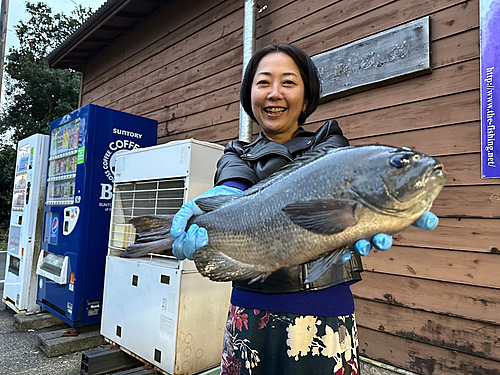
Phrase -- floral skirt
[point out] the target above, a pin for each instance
(258, 342)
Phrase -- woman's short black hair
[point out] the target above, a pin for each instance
(307, 69)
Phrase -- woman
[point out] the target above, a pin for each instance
(282, 326)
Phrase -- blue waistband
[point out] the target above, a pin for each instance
(334, 301)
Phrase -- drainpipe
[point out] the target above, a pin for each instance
(248, 51)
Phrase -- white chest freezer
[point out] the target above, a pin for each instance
(156, 307)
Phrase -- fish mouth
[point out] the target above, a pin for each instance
(438, 171)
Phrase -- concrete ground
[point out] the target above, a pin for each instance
(19, 354)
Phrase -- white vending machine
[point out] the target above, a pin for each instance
(25, 231)
(157, 308)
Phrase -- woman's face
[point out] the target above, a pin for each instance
(277, 96)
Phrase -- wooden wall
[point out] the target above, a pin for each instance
(431, 304)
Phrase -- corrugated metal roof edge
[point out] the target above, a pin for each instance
(106, 11)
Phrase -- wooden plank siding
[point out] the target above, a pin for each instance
(441, 297)
(423, 358)
(437, 329)
(471, 268)
(431, 303)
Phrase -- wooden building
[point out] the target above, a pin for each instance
(431, 304)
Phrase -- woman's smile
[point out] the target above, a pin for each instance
(274, 110)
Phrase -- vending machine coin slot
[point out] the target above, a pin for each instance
(70, 219)
(28, 193)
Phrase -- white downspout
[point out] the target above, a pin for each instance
(248, 51)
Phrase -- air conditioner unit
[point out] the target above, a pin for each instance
(157, 308)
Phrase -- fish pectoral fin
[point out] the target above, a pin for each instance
(323, 216)
(217, 266)
(262, 277)
(321, 265)
(212, 203)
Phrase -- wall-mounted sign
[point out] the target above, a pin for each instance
(490, 71)
(387, 56)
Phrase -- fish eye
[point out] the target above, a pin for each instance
(400, 161)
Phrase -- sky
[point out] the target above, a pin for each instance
(17, 13)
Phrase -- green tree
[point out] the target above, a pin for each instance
(7, 165)
(34, 94)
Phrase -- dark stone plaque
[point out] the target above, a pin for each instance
(384, 57)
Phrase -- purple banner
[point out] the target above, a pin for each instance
(490, 74)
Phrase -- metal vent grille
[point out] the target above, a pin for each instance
(132, 199)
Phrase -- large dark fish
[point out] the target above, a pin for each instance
(313, 208)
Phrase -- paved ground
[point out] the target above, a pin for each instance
(19, 354)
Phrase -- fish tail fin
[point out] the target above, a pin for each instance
(149, 223)
(162, 246)
(153, 236)
(217, 266)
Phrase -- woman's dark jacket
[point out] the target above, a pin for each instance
(252, 162)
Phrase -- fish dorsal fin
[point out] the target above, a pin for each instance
(212, 203)
(321, 265)
(148, 223)
(217, 266)
(323, 216)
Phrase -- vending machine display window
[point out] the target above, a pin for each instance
(64, 138)
(63, 160)
(20, 179)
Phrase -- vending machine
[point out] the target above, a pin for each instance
(82, 152)
(25, 231)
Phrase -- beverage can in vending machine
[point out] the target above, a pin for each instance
(63, 192)
(57, 191)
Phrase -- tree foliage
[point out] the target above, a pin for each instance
(34, 94)
(7, 165)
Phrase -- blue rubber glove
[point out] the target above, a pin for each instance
(383, 242)
(186, 243)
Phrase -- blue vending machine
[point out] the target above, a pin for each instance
(82, 152)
